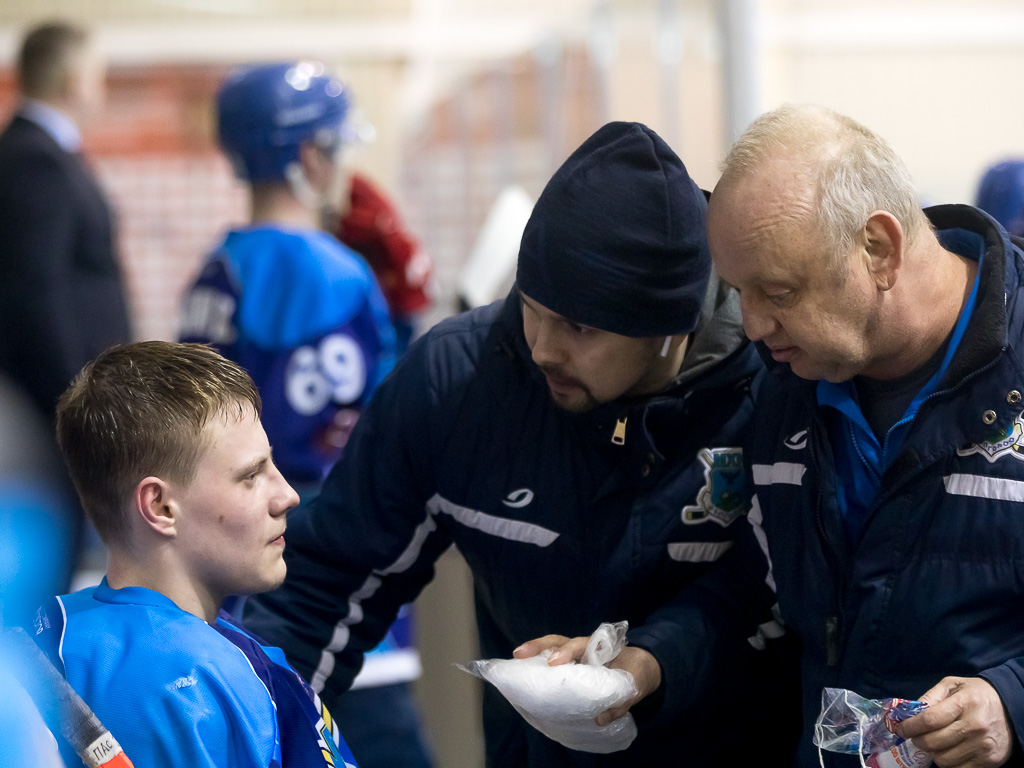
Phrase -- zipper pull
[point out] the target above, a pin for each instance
(619, 435)
(832, 641)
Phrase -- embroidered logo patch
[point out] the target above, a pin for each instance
(724, 495)
(1006, 442)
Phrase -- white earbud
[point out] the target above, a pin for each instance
(665, 346)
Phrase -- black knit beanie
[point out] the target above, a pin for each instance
(616, 240)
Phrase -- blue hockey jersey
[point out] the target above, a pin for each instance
(305, 317)
(176, 691)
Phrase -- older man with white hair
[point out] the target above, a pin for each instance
(887, 448)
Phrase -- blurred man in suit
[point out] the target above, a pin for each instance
(61, 295)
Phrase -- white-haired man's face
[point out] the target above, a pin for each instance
(765, 243)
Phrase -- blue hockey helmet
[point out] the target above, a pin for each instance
(264, 113)
(1001, 195)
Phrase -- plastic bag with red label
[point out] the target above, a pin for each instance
(851, 724)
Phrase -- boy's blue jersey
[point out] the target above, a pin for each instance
(305, 317)
(176, 691)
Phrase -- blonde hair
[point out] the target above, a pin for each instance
(139, 410)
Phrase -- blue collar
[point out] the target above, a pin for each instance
(60, 127)
(860, 460)
(105, 593)
(843, 395)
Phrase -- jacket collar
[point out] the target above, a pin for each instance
(986, 334)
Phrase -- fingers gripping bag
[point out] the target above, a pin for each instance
(562, 701)
(851, 724)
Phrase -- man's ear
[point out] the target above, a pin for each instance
(155, 506)
(884, 245)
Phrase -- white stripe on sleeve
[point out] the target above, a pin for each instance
(782, 472)
(697, 551)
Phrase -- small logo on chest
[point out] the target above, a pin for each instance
(185, 682)
(797, 441)
(518, 499)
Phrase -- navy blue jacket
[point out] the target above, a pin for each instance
(935, 585)
(562, 527)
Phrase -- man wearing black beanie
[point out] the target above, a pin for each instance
(579, 443)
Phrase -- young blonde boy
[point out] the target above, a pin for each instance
(165, 446)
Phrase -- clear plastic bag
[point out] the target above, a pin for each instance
(562, 701)
(851, 724)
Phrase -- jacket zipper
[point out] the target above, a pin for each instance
(619, 435)
(833, 624)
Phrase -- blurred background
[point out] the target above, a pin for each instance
(464, 98)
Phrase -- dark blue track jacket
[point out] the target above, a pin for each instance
(563, 524)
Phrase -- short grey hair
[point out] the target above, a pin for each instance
(48, 54)
(852, 171)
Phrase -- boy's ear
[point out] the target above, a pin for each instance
(156, 507)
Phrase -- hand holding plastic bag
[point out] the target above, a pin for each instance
(562, 701)
(851, 724)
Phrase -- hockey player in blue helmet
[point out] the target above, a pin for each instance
(301, 312)
(284, 122)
